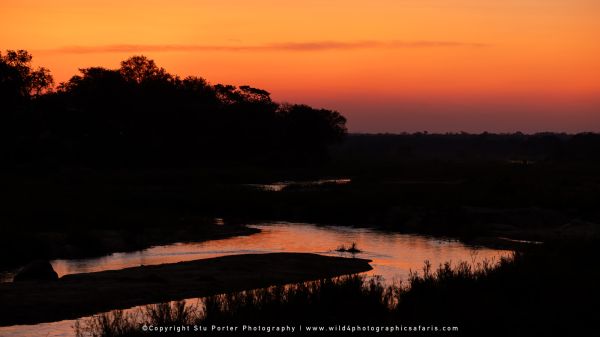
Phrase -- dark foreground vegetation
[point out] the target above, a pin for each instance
(545, 290)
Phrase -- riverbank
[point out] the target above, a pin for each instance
(78, 295)
(22, 247)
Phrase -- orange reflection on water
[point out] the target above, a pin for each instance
(393, 254)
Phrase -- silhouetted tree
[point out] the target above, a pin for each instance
(18, 80)
(139, 69)
(312, 126)
(255, 95)
(140, 114)
(20, 86)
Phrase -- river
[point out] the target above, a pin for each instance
(394, 255)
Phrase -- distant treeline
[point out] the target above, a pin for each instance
(140, 114)
(514, 147)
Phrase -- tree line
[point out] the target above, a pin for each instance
(139, 114)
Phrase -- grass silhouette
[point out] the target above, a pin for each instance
(541, 290)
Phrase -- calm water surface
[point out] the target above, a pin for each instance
(281, 185)
(393, 255)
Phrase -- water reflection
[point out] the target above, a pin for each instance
(279, 186)
(394, 256)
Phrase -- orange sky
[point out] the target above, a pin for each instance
(388, 65)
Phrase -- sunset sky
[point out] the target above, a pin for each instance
(387, 65)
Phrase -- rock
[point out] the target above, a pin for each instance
(39, 270)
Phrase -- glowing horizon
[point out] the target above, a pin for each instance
(387, 65)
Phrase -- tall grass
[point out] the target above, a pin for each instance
(343, 300)
(118, 323)
(346, 297)
(111, 324)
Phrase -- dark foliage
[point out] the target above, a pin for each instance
(140, 115)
